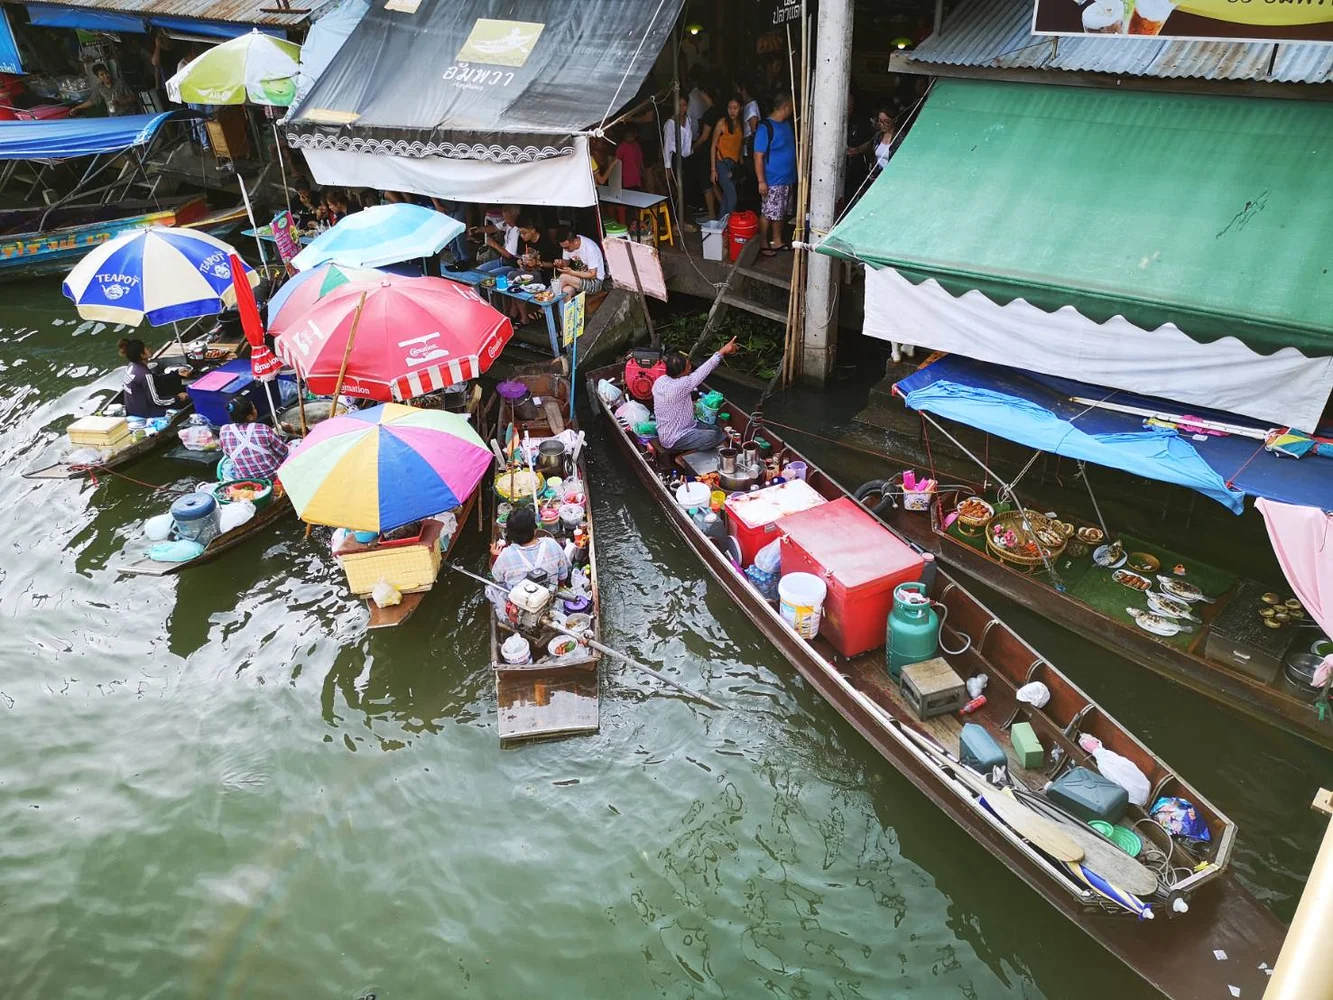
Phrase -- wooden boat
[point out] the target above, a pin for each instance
(38, 241)
(545, 700)
(1174, 952)
(396, 614)
(1274, 702)
(218, 353)
(224, 542)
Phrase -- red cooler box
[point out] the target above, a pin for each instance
(752, 517)
(860, 560)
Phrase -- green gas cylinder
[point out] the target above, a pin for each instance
(914, 628)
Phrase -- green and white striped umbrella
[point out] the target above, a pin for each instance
(257, 68)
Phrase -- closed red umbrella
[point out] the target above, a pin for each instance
(415, 335)
(263, 364)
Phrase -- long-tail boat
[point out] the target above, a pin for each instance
(548, 697)
(1200, 908)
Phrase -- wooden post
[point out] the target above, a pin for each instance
(300, 401)
(347, 354)
(1304, 967)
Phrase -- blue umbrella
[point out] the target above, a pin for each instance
(381, 235)
(163, 275)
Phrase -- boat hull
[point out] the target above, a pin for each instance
(221, 545)
(1174, 956)
(33, 254)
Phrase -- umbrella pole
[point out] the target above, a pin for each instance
(179, 346)
(277, 149)
(347, 354)
(250, 214)
(300, 400)
(272, 407)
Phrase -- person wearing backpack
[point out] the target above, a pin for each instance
(775, 170)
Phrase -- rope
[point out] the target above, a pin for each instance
(93, 469)
(642, 40)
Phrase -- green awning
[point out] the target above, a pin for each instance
(1207, 212)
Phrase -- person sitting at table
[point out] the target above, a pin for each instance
(306, 209)
(255, 450)
(537, 254)
(521, 553)
(502, 237)
(144, 395)
(582, 268)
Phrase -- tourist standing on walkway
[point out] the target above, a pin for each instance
(775, 170)
(728, 137)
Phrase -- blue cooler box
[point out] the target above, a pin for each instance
(211, 402)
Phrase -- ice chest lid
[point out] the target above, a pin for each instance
(215, 381)
(763, 507)
(850, 544)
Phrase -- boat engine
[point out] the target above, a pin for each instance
(644, 367)
(529, 601)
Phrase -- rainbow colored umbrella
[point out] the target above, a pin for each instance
(377, 469)
(303, 289)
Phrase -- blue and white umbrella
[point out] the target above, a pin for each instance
(384, 234)
(165, 275)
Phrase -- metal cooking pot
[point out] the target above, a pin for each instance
(551, 458)
(1299, 670)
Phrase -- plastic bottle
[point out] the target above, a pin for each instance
(978, 702)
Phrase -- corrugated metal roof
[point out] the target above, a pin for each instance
(997, 34)
(235, 11)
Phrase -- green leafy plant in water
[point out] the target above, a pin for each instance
(760, 340)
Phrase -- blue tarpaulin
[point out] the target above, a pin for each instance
(9, 50)
(49, 16)
(88, 20)
(66, 138)
(1038, 411)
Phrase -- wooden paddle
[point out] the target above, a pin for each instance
(1037, 830)
(1100, 854)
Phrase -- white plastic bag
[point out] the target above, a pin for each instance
(632, 412)
(608, 392)
(976, 684)
(769, 558)
(199, 437)
(84, 456)
(385, 594)
(1123, 771)
(234, 514)
(158, 528)
(1035, 694)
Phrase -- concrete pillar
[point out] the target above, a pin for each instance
(1304, 969)
(832, 71)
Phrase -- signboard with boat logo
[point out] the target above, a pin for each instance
(1196, 20)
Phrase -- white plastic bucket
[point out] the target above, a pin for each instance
(516, 650)
(801, 601)
(693, 495)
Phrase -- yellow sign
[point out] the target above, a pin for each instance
(500, 43)
(574, 317)
(1264, 12)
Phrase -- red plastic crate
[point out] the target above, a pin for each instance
(859, 559)
(752, 517)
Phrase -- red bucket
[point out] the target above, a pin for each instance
(741, 228)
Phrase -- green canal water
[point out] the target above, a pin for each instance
(220, 786)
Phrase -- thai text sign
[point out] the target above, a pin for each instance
(1208, 20)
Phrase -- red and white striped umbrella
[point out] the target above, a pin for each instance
(415, 335)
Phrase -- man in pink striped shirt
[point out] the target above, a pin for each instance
(673, 403)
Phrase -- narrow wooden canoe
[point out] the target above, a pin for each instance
(1274, 703)
(224, 542)
(147, 445)
(548, 700)
(1174, 952)
(396, 614)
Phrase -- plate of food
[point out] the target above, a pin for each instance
(1142, 562)
(1155, 624)
(488, 282)
(1169, 607)
(533, 287)
(524, 278)
(1093, 536)
(545, 296)
(1182, 589)
(1109, 556)
(1132, 580)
